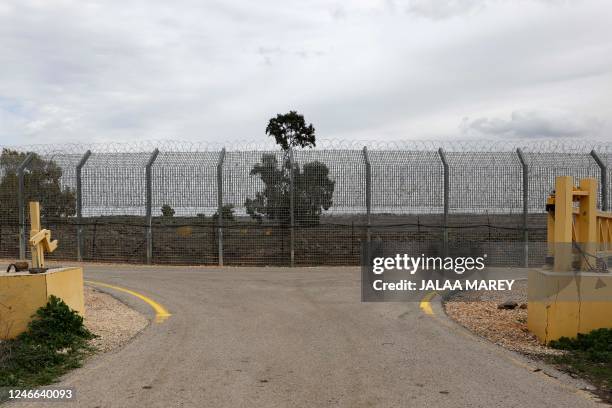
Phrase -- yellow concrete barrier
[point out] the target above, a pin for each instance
(565, 304)
(21, 294)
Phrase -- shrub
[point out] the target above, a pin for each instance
(55, 341)
(596, 346)
(167, 211)
(227, 212)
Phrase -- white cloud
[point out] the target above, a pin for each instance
(217, 70)
(440, 9)
(534, 124)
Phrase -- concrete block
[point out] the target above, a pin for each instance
(21, 294)
(566, 303)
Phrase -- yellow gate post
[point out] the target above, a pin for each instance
(564, 187)
(575, 297)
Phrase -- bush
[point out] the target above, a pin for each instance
(55, 341)
(596, 346)
(56, 325)
(227, 212)
(167, 211)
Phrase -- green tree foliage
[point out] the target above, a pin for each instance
(41, 183)
(227, 212)
(290, 130)
(313, 189)
(167, 211)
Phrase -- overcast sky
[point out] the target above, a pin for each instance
(82, 71)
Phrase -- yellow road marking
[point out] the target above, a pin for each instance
(161, 313)
(425, 304)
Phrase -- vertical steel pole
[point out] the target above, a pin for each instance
(79, 205)
(604, 180)
(521, 157)
(220, 203)
(446, 197)
(21, 204)
(291, 208)
(149, 203)
(368, 194)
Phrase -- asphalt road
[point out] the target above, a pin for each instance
(279, 337)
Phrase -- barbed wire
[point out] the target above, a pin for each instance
(398, 189)
(575, 146)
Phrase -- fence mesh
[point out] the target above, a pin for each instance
(184, 185)
(251, 205)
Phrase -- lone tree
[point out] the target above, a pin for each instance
(312, 188)
(41, 183)
(290, 130)
(167, 211)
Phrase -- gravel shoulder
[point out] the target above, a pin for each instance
(111, 320)
(479, 312)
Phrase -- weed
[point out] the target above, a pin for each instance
(589, 355)
(55, 342)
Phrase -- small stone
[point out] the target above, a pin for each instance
(508, 304)
(523, 306)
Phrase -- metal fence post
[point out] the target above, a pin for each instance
(149, 202)
(220, 203)
(368, 195)
(521, 157)
(604, 180)
(446, 197)
(21, 204)
(291, 208)
(79, 205)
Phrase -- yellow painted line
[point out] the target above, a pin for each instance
(425, 304)
(161, 313)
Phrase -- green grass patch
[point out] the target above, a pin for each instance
(55, 342)
(589, 356)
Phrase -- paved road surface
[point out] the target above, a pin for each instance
(276, 337)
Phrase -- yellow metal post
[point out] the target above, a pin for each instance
(564, 187)
(38, 257)
(40, 239)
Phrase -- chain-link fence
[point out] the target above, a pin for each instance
(182, 203)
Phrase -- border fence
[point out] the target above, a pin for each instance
(189, 203)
